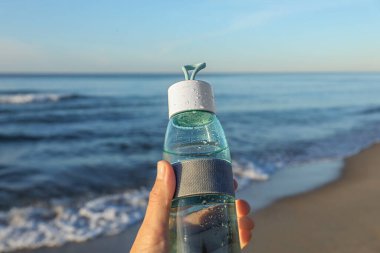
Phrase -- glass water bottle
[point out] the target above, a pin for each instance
(203, 214)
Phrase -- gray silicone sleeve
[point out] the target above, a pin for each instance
(203, 176)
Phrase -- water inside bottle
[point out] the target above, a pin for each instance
(204, 224)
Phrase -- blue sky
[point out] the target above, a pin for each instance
(160, 36)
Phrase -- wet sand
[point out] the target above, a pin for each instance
(341, 217)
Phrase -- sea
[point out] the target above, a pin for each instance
(78, 152)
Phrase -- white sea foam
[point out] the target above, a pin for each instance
(32, 98)
(59, 222)
(246, 171)
(34, 227)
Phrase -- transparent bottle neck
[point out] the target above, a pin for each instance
(195, 135)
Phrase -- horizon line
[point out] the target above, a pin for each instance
(63, 73)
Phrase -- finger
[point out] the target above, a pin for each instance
(242, 208)
(246, 223)
(157, 213)
(245, 236)
(235, 184)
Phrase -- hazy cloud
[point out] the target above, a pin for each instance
(15, 53)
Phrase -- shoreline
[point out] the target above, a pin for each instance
(340, 217)
(291, 181)
(263, 214)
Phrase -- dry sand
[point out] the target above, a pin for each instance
(341, 217)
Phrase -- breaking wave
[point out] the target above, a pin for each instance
(57, 223)
(24, 98)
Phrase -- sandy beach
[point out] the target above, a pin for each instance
(340, 217)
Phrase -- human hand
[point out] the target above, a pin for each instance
(153, 234)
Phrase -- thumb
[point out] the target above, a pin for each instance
(153, 233)
(160, 197)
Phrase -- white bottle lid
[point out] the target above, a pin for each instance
(191, 94)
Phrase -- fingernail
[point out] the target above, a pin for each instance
(160, 170)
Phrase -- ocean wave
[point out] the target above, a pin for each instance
(246, 171)
(371, 110)
(21, 137)
(60, 221)
(56, 224)
(25, 98)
